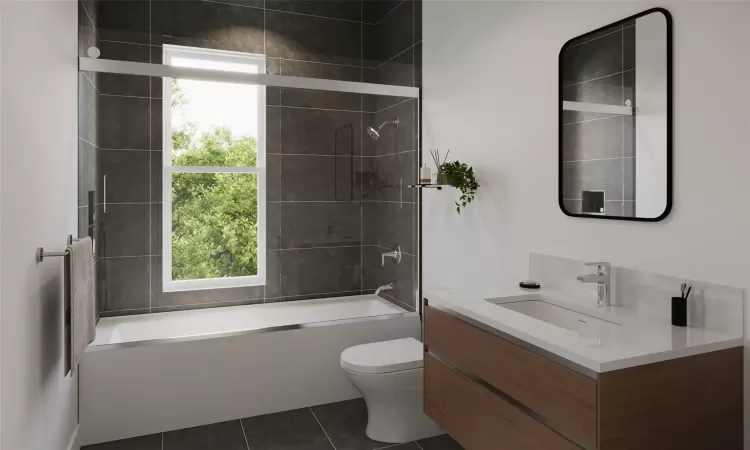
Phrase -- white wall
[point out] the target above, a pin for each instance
(38, 198)
(490, 94)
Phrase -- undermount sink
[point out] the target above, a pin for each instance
(557, 315)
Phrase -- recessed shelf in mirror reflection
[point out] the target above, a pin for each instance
(598, 108)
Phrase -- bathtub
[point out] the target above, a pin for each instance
(160, 372)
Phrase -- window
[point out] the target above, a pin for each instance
(214, 174)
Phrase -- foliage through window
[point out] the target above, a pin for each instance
(214, 174)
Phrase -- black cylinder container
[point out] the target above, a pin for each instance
(679, 311)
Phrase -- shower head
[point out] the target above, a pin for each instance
(375, 133)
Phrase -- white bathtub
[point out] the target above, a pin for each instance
(159, 372)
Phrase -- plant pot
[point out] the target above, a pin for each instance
(443, 178)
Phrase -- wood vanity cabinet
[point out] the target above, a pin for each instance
(489, 393)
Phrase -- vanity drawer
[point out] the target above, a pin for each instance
(566, 399)
(479, 419)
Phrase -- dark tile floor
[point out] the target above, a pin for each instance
(336, 426)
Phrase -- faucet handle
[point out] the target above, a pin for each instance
(600, 265)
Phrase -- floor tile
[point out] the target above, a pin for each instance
(217, 436)
(150, 442)
(407, 446)
(443, 442)
(345, 422)
(288, 430)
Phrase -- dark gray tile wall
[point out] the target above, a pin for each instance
(318, 156)
(598, 150)
(392, 54)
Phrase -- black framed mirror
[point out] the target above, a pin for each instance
(615, 120)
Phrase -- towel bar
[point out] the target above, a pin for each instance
(40, 253)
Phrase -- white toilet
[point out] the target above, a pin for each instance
(389, 376)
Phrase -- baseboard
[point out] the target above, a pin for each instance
(74, 444)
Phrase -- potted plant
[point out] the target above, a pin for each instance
(459, 175)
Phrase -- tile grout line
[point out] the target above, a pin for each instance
(281, 11)
(321, 427)
(93, 25)
(388, 13)
(315, 109)
(590, 120)
(417, 443)
(92, 83)
(247, 443)
(622, 29)
(396, 56)
(599, 78)
(392, 106)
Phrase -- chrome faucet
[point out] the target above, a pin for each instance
(602, 279)
(395, 254)
(385, 287)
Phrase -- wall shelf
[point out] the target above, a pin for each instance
(598, 108)
(427, 186)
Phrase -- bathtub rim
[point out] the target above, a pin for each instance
(271, 329)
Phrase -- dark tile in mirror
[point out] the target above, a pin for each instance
(595, 139)
(606, 175)
(593, 59)
(628, 47)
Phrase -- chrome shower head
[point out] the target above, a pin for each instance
(375, 133)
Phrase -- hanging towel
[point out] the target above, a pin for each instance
(82, 300)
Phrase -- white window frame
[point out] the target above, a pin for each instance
(168, 284)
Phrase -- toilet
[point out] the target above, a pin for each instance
(389, 376)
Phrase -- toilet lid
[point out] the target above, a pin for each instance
(383, 357)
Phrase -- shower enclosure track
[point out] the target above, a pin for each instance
(262, 79)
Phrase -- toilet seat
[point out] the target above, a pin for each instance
(384, 357)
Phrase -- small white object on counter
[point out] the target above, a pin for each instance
(631, 339)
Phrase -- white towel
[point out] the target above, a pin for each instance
(82, 299)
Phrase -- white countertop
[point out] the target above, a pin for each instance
(638, 339)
